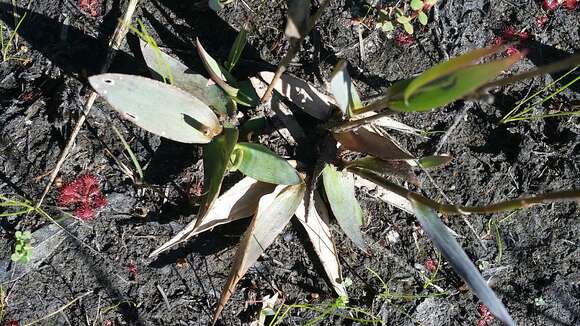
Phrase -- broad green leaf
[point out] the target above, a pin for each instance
(272, 217)
(434, 161)
(446, 68)
(195, 84)
(246, 94)
(253, 127)
(423, 19)
(343, 90)
(339, 189)
(159, 108)
(260, 163)
(299, 92)
(365, 141)
(403, 19)
(216, 156)
(400, 169)
(316, 224)
(458, 259)
(452, 87)
(298, 14)
(218, 74)
(386, 26)
(240, 201)
(237, 49)
(408, 28)
(416, 5)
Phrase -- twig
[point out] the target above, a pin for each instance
(114, 45)
(294, 48)
(61, 309)
(456, 123)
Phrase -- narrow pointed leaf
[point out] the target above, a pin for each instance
(159, 108)
(317, 227)
(216, 156)
(339, 189)
(260, 163)
(195, 84)
(343, 90)
(458, 259)
(400, 169)
(301, 93)
(246, 95)
(365, 141)
(240, 201)
(446, 68)
(298, 14)
(237, 49)
(218, 74)
(452, 87)
(434, 161)
(270, 220)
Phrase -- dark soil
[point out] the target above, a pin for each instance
(535, 270)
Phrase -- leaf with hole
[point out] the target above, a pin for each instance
(446, 68)
(216, 156)
(160, 64)
(365, 141)
(218, 74)
(459, 260)
(451, 87)
(317, 227)
(272, 217)
(240, 201)
(260, 163)
(343, 90)
(339, 189)
(159, 108)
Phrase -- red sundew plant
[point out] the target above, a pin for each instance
(85, 195)
(91, 7)
(485, 316)
(404, 39)
(431, 265)
(541, 21)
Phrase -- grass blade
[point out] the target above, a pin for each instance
(458, 259)
(272, 216)
(339, 188)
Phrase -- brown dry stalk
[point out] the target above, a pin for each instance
(114, 45)
(294, 48)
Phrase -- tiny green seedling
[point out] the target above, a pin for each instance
(22, 249)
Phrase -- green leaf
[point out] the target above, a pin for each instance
(237, 49)
(216, 156)
(218, 74)
(195, 84)
(458, 259)
(240, 201)
(423, 19)
(452, 87)
(446, 68)
(260, 163)
(387, 26)
(408, 28)
(365, 141)
(403, 19)
(159, 108)
(435, 161)
(400, 169)
(272, 217)
(343, 90)
(339, 188)
(246, 94)
(15, 257)
(416, 5)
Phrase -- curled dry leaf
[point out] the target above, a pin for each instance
(240, 201)
(365, 141)
(317, 227)
(273, 215)
(159, 108)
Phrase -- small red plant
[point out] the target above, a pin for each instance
(132, 269)
(570, 4)
(12, 323)
(91, 7)
(550, 5)
(485, 316)
(404, 39)
(431, 265)
(84, 194)
(541, 21)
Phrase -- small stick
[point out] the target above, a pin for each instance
(59, 310)
(114, 45)
(294, 48)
